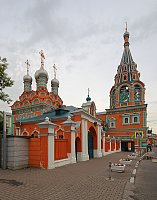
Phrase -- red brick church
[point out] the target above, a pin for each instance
(62, 134)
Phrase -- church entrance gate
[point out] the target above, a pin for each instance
(90, 146)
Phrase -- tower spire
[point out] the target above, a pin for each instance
(88, 97)
(126, 28)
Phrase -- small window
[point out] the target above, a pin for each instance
(124, 78)
(60, 136)
(112, 123)
(135, 119)
(126, 120)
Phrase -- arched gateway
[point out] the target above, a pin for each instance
(92, 142)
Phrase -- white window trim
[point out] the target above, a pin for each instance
(133, 122)
(123, 119)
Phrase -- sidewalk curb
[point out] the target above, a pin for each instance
(129, 187)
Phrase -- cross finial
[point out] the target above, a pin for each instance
(126, 28)
(55, 69)
(27, 65)
(42, 58)
(88, 91)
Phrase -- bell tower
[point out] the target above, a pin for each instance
(128, 90)
(127, 116)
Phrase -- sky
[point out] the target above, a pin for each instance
(85, 40)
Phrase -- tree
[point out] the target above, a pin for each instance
(5, 81)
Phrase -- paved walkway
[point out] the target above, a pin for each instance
(146, 180)
(80, 181)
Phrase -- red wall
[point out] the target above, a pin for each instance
(61, 149)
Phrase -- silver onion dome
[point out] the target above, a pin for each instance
(41, 73)
(27, 78)
(54, 82)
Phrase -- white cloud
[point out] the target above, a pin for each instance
(85, 40)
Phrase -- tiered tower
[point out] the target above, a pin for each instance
(128, 90)
(127, 116)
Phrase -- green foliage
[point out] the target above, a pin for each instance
(5, 81)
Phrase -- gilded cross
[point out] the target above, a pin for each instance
(42, 58)
(27, 65)
(55, 69)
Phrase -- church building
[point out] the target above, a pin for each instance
(60, 134)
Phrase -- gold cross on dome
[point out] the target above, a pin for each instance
(55, 69)
(27, 65)
(42, 58)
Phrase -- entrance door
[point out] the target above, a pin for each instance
(90, 146)
(127, 146)
(124, 146)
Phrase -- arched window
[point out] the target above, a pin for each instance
(137, 93)
(124, 94)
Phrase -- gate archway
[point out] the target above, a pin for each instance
(92, 142)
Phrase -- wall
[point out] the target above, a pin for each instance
(61, 149)
(17, 153)
(34, 152)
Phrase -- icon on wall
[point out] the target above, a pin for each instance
(139, 134)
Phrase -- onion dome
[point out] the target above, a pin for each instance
(27, 78)
(88, 99)
(41, 73)
(54, 82)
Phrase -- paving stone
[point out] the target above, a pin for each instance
(83, 180)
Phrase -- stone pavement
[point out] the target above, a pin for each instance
(146, 180)
(80, 181)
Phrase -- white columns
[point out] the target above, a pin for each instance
(120, 146)
(98, 152)
(49, 126)
(73, 156)
(84, 132)
(103, 143)
(115, 145)
(110, 145)
(50, 152)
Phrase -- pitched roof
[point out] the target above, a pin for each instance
(59, 113)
